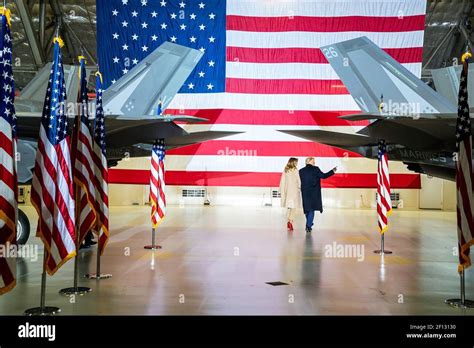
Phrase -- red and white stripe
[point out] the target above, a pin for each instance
(52, 194)
(277, 78)
(384, 202)
(102, 199)
(85, 180)
(157, 187)
(8, 204)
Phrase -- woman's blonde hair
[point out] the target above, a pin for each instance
(292, 164)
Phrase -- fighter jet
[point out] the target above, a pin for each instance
(417, 122)
(130, 105)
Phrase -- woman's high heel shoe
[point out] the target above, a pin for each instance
(290, 226)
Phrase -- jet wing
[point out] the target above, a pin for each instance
(131, 132)
(197, 137)
(156, 78)
(190, 139)
(357, 143)
(365, 116)
(419, 134)
(342, 140)
(372, 116)
(143, 149)
(122, 132)
(125, 138)
(366, 146)
(162, 118)
(28, 123)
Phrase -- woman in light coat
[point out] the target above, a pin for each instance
(290, 190)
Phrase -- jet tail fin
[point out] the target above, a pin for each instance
(157, 78)
(447, 81)
(35, 90)
(368, 73)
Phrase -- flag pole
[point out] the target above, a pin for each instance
(42, 309)
(153, 245)
(97, 275)
(98, 262)
(382, 250)
(461, 302)
(75, 289)
(58, 27)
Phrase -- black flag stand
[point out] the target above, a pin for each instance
(461, 302)
(76, 290)
(98, 275)
(42, 309)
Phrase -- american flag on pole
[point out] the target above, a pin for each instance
(52, 191)
(157, 183)
(101, 170)
(8, 179)
(464, 174)
(262, 70)
(384, 202)
(83, 162)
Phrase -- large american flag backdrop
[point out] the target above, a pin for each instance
(262, 70)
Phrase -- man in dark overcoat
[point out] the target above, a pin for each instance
(311, 190)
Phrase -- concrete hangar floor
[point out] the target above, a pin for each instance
(218, 260)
